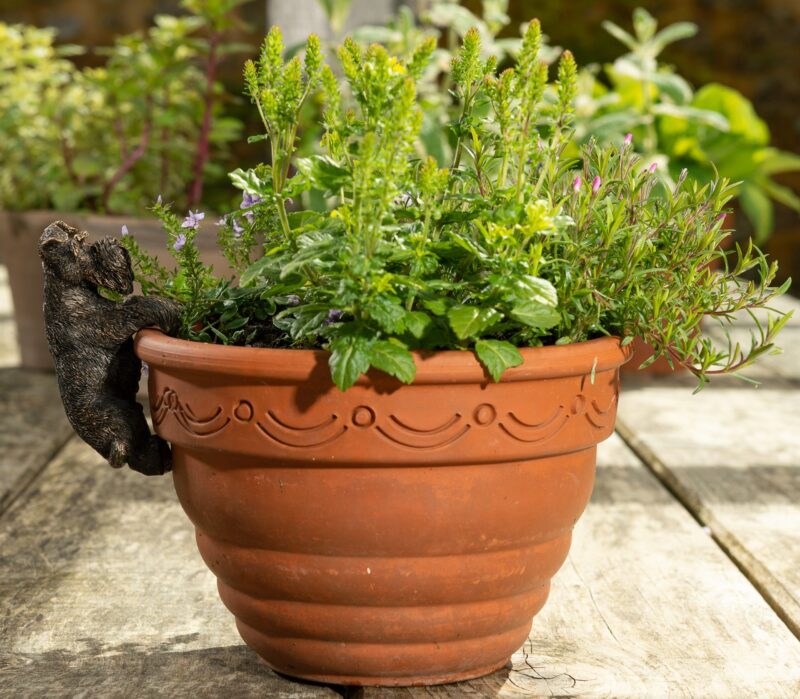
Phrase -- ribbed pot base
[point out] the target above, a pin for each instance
(384, 665)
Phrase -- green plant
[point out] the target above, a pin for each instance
(447, 21)
(513, 244)
(112, 138)
(709, 132)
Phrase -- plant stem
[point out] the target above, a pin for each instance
(203, 142)
(133, 156)
(165, 133)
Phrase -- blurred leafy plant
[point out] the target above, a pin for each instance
(712, 131)
(512, 244)
(111, 138)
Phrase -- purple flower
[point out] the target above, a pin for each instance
(576, 184)
(596, 182)
(193, 219)
(159, 200)
(237, 229)
(333, 316)
(124, 230)
(222, 222)
(628, 139)
(292, 300)
(249, 200)
(180, 241)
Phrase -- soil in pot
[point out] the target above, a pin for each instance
(389, 534)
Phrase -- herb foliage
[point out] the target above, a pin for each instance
(513, 244)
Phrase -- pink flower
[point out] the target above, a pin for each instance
(596, 182)
(653, 168)
(628, 139)
(576, 184)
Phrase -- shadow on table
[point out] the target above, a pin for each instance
(686, 382)
(129, 670)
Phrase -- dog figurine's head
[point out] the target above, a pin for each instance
(105, 263)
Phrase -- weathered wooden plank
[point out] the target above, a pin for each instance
(32, 428)
(646, 605)
(733, 456)
(103, 594)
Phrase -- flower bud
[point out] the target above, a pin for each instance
(596, 182)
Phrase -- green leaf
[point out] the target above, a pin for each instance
(350, 357)
(336, 11)
(417, 322)
(437, 306)
(781, 194)
(388, 313)
(497, 356)
(758, 208)
(394, 360)
(620, 34)
(469, 321)
(323, 172)
(671, 34)
(701, 116)
(530, 288)
(248, 181)
(535, 315)
(776, 161)
(736, 109)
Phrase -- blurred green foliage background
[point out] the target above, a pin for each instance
(752, 45)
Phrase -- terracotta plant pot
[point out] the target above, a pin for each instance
(19, 235)
(389, 534)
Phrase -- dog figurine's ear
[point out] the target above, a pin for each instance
(106, 263)
(60, 248)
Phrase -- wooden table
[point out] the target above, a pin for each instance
(683, 579)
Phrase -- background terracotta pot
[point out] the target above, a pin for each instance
(390, 534)
(19, 235)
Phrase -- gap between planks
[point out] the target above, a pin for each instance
(767, 585)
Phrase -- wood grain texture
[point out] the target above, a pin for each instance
(103, 594)
(646, 606)
(32, 428)
(732, 455)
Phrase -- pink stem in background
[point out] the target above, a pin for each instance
(203, 142)
(165, 134)
(133, 157)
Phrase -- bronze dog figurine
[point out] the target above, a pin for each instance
(90, 339)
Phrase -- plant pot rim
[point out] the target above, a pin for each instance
(433, 367)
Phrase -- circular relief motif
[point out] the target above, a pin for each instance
(363, 416)
(578, 406)
(243, 411)
(485, 414)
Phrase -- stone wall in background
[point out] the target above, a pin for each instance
(753, 45)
